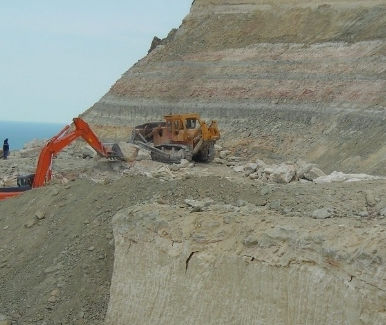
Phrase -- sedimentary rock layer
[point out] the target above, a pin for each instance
(310, 75)
(244, 265)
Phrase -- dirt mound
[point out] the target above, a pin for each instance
(57, 246)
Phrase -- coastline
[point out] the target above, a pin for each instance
(20, 133)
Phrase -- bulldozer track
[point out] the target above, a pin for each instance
(173, 159)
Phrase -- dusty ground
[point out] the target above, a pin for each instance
(57, 247)
(287, 80)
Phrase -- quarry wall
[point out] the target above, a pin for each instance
(310, 70)
(251, 266)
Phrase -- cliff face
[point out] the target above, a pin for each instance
(308, 75)
(223, 266)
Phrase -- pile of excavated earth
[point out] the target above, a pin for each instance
(285, 226)
(57, 242)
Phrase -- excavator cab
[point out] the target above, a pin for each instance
(24, 183)
(25, 180)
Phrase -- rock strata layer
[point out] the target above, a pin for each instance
(298, 79)
(241, 265)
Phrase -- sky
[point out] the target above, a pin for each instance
(58, 58)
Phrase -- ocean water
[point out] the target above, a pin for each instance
(19, 133)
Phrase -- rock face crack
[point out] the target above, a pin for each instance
(188, 260)
(373, 285)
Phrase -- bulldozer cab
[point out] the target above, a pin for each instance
(175, 129)
(191, 123)
(182, 126)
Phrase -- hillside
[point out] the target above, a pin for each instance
(264, 234)
(299, 79)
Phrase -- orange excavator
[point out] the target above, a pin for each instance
(43, 172)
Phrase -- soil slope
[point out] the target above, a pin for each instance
(303, 79)
(58, 253)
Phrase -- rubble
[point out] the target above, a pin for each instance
(289, 172)
(66, 228)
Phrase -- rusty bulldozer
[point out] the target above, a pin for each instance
(180, 136)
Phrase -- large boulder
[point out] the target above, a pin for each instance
(282, 174)
(129, 151)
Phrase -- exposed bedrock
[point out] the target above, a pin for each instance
(336, 139)
(244, 267)
(298, 79)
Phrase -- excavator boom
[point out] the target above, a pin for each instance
(43, 172)
(63, 139)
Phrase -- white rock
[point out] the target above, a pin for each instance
(282, 174)
(218, 148)
(341, 177)
(323, 213)
(250, 168)
(143, 155)
(260, 163)
(224, 153)
(184, 163)
(238, 169)
(313, 173)
(253, 176)
(129, 151)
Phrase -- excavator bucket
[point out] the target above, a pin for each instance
(113, 151)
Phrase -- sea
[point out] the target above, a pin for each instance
(20, 133)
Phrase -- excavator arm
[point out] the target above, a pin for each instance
(64, 138)
(43, 172)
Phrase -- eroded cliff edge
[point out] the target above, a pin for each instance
(245, 265)
(298, 79)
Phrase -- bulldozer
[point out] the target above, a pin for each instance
(179, 136)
